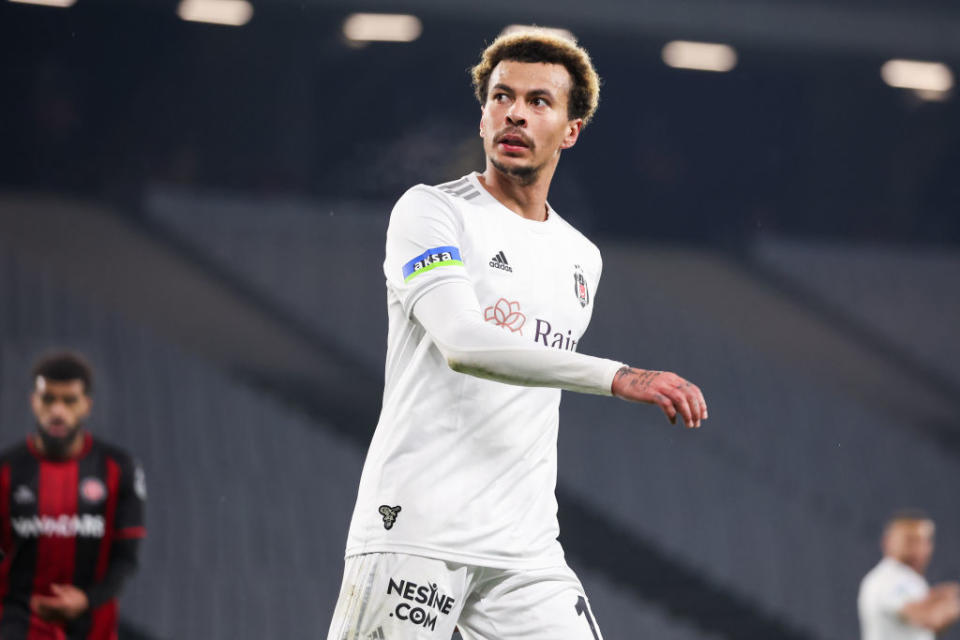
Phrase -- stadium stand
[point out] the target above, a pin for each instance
(249, 499)
(862, 281)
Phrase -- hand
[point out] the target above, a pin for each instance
(667, 390)
(947, 597)
(66, 603)
(946, 590)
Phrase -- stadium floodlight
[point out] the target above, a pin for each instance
(703, 56)
(932, 96)
(929, 80)
(62, 4)
(382, 27)
(557, 31)
(234, 13)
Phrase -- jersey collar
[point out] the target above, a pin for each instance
(487, 197)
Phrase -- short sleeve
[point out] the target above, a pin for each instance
(893, 595)
(129, 521)
(424, 245)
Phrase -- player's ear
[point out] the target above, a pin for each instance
(482, 112)
(574, 127)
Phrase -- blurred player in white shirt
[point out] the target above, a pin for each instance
(895, 601)
(489, 291)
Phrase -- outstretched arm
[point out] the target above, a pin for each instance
(939, 610)
(425, 270)
(450, 313)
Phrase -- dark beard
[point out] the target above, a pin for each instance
(58, 447)
(526, 175)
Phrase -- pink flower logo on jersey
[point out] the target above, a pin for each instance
(506, 314)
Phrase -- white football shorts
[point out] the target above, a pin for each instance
(395, 596)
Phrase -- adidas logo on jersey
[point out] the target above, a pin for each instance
(23, 495)
(499, 261)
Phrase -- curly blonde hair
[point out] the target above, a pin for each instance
(538, 45)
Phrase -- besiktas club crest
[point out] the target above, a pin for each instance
(580, 286)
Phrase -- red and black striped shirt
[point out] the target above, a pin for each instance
(75, 521)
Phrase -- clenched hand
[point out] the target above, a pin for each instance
(66, 603)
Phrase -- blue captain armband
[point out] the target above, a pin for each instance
(431, 259)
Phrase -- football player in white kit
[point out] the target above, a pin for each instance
(488, 293)
(895, 601)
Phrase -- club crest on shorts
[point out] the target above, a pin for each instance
(389, 515)
(580, 286)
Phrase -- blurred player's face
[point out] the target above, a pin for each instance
(60, 409)
(910, 542)
(525, 123)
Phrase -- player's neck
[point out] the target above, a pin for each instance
(526, 200)
(906, 563)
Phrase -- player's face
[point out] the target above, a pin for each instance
(525, 123)
(60, 409)
(911, 542)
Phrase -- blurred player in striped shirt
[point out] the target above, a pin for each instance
(71, 515)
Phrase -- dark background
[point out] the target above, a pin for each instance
(201, 209)
(802, 138)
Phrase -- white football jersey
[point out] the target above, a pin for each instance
(883, 593)
(462, 468)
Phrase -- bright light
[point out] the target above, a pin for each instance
(930, 80)
(49, 3)
(234, 13)
(932, 96)
(382, 27)
(554, 31)
(704, 56)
